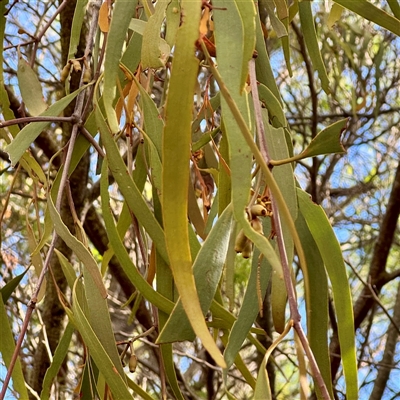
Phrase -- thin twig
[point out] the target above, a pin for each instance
(27, 120)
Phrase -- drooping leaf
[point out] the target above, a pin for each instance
(316, 295)
(31, 90)
(77, 22)
(77, 246)
(331, 254)
(310, 37)
(120, 251)
(114, 380)
(128, 188)
(122, 14)
(256, 286)
(263, 389)
(176, 156)
(7, 346)
(207, 270)
(58, 359)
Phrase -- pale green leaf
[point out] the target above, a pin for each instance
(31, 90)
(77, 247)
(207, 270)
(316, 294)
(113, 378)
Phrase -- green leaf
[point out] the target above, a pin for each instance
(8, 289)
(113, 378)
(331, 254)
(121, 17)
(258, 282)
(247, 14)
(173, 16)
(77, 247)
(264, 71)
(31, 131)
(310, 37)
(7, 346)
(207, 270)
(58, 359)
(316, 294)
(327, 141)
(372, 13)
(276, 23)
(155, 50)
(176, 170)
(129, 268)
(128, 188)
(77, 22)
(31, 90)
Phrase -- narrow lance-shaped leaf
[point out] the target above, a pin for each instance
(60, 353)
(331, 254)
(256, 286)
(120, 251)
(176, 157)
(7, 346)
(121, 17)
(128, 187)
(316, 293)
(77, 246)
(113, 378)
(31, 90)
(207, 270)
(310, 37)
(372, 13)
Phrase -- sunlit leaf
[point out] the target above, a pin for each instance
(176, 154)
